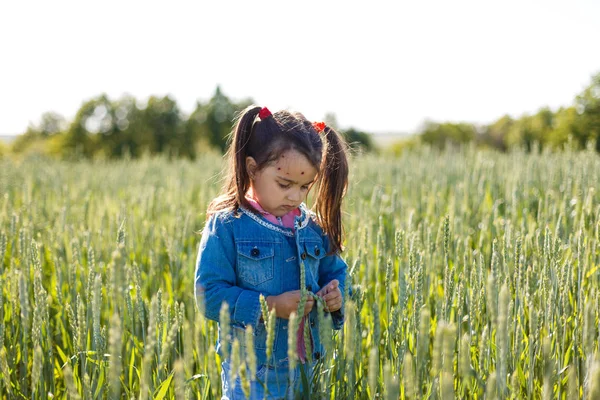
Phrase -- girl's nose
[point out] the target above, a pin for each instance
(295, 196)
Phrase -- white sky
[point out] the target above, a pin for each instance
(379, 66)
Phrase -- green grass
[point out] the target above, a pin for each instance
(476, 276)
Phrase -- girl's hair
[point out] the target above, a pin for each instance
(265, 140)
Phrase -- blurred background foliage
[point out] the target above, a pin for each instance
(127, 127)
(576, 126)
(108, 129)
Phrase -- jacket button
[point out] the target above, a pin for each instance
(317, 251)
(317, 355)
(303, 256)
(312, 323)
(255, 252)
(309, 288)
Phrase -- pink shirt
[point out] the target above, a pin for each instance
(287, 220)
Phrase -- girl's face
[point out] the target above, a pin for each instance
(282, 185)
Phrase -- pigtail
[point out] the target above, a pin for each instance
(238, 181)
(334, 182)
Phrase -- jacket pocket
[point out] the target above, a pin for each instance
(313, 253)
(255, 262)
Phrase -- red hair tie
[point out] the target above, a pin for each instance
(319, 126)
(264, 113)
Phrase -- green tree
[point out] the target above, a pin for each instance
(566, 127)
(163, 122)
(3, 149)
(588, 105)
(96, 116)
(441, 134)
(52, 123)
(126, 135)
(196, 130)
(355, 138)
(542, 124)
(358, 139)
(23, 141)
(532, 129)
(496, 133)
(522, 133)
(220, 113)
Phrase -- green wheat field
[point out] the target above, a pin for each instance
(475, 274)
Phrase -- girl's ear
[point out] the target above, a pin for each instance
(251, 167)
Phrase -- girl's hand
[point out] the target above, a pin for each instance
(332, 295)
(287, 302)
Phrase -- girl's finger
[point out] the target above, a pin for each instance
(334, 302)
(332, 295)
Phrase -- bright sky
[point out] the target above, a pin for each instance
(379, 66)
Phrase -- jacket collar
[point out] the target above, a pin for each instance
(300, 221)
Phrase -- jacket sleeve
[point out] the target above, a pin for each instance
(333, 267)
(216, 278)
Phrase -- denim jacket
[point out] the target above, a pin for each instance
(242, 255)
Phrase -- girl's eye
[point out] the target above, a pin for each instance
(287, 186)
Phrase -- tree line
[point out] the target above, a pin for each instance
(126, 128)
(576, 126)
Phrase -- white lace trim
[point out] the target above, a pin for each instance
(269, 225)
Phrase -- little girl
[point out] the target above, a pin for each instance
(259, 231)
